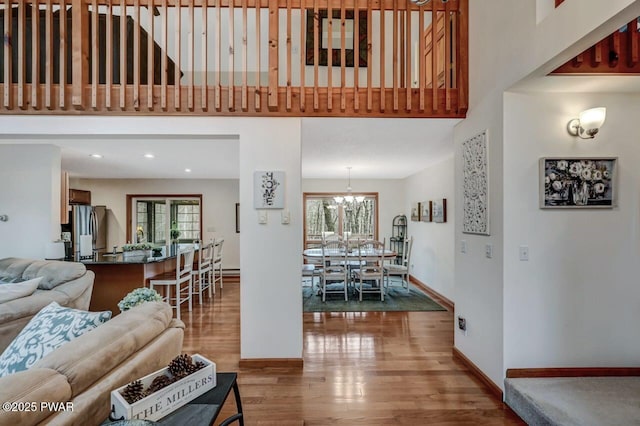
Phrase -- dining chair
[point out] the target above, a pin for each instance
(334, 268)
(401, 269)
(371, 269)
(218, 245)
(180, 281)
(203, 274)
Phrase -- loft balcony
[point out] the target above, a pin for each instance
(384, 58)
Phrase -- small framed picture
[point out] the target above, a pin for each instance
(415, 212)
(425, 211)
(439, 210)
(268, 190)
(578, 183)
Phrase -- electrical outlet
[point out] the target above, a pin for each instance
(463, 246)
(488, 251)
(523, 251)
(462, 323)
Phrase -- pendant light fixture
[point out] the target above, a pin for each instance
(349, 198)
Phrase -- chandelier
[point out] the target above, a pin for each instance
(349, 198)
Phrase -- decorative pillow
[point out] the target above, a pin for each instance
(49, 329)
(17, 290)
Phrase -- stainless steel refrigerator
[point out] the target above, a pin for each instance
(88, 226)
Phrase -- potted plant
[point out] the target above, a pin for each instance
(137, 250)
(137, 297)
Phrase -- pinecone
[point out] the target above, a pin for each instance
(180, 365)
(133, 392)
(195, 367)
(158, 383)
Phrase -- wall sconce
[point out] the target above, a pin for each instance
(588, 123)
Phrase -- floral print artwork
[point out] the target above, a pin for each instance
(578, 182)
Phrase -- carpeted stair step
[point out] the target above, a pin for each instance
(575, 401)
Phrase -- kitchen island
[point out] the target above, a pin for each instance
(118, 274)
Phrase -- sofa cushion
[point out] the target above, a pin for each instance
(90, 357)
(18, 290)
(53, 272)
(12, 268)
(49, 329)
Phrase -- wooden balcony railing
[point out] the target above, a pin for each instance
(235, 57)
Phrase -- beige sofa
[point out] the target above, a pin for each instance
(68, 283)
(85, 371)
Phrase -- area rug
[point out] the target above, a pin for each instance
(396, 299)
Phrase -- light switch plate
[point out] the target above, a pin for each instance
(463, 246)
(523, 252)
(488, 251)
(262, 217)
(285, 217)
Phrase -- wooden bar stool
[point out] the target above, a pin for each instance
(203, 272)
(179, 280)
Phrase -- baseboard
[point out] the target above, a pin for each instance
(516, 373)
(493, 388)
(434, 294)
(271, 363)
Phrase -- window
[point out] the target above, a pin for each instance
(152, 224)
(323, 216)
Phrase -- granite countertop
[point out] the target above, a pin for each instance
(120, 258)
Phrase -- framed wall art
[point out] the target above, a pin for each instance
(415, 212)
(425, 211)
(475, 185)
(350, 35)
(578, 182)
(268, 190)
(439, 210)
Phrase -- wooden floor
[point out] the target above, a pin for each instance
(374, 368)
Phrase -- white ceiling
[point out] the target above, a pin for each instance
(374, 148)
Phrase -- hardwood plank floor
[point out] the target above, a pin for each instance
(373, 368)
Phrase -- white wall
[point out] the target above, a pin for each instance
(433, 245)
(575, 302)
(390, 197)
(529, 46)
(270, 304)
(30, 197)
(219, 197)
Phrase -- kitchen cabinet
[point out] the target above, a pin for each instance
(78, 196)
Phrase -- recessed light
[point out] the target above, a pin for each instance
(187, 170)
(149, 156)
(96, 155)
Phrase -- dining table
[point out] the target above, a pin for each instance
(315, 254)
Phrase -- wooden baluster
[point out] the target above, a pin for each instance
(8, 101)
(383, 95)
(80, 51)
(447, 56)
(177, 99)
(48, 68)
(410, 56)
(330, 57)
(136, 55)
(204, 92)
(395, 55)
(244, 102)
(462, 52)
(35, 54)
(288, 59)
(434, 56)
(316, 54)
(123, 53)
(232, 51)
(615, 46)
(272, 97)
(258, 85)
(343, 57)
(22, 30)
(191, 57)
(356, 60)
(164, 66)
(421, 62)
(217, 53)
(63, 55)
(302, 57)
(370, 55)
(597, 53)
(108, 81)
(150, 55)
(632, 30)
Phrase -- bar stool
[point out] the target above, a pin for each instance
(203, 274)
(179, 280)
(217, 263)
